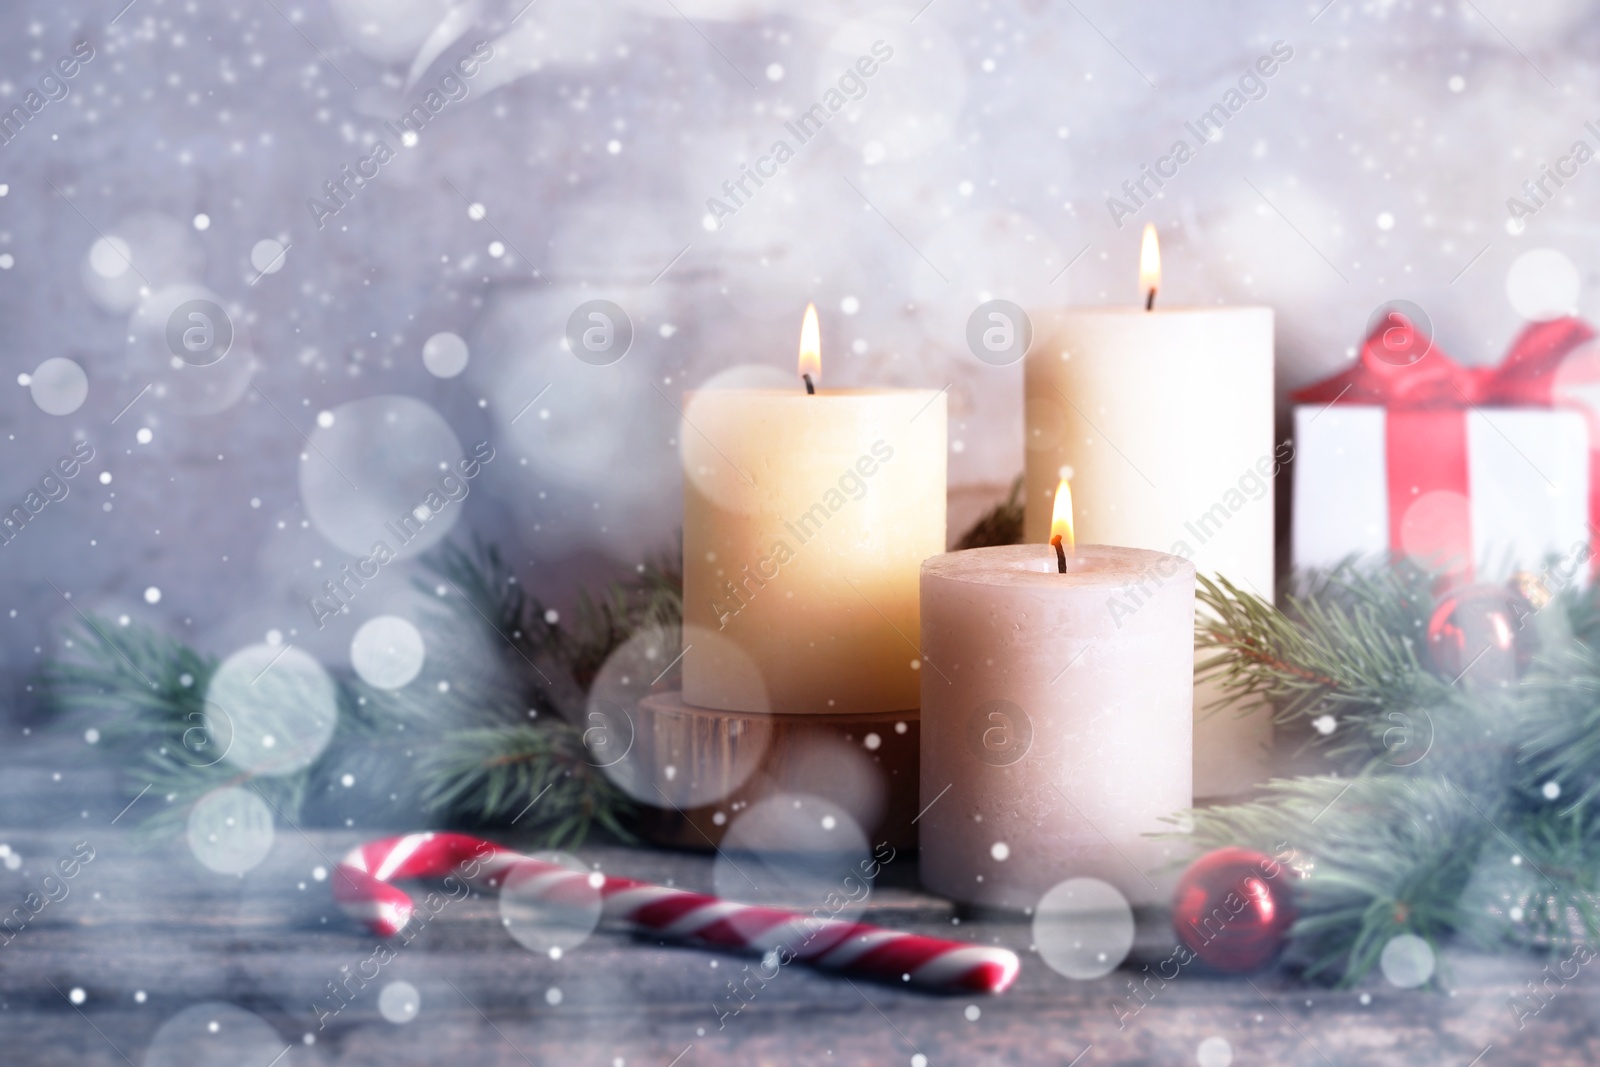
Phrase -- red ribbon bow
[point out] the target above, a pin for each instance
(1402, 369)
(1427, 395)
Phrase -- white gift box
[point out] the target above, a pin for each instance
(1527, 499)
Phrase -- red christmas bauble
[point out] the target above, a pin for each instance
(1233, 909)
(1479, 634)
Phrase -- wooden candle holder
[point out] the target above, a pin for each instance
(866, 763)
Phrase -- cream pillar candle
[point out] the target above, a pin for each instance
(1163, 419)
(1053, 739)
(805, 520)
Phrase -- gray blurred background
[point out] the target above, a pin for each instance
(576, 162)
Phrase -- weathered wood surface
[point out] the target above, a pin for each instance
(144, 916)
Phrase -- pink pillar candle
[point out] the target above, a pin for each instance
(1056, 729)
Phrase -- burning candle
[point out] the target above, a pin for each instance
(1163, 417)
(1149, 265)
(1061, 533)
(1053, 739)
(806, 514)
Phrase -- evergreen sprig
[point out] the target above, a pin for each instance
(1563, 742)
(524, 776)
(523, 745)
(1316, 656)
(499, 738)
(1000, 525)
(1341, 838)
(1453, 808)
(144, 692)
(600, 623)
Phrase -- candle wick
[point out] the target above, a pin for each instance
(1150, 300)
(1061, 554)
(811, 388)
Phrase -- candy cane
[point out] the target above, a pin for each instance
(361, 885)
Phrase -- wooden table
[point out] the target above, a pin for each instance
(146, 933)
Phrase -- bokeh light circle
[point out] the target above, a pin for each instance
(797, 851)
(544, 911)
(1543, 284)
(1214, 1052)
(445, 355)
(1407, 961)
(59, 386)
(387, 652)
(276, 707)
(399, 1002)
(1083, 928)
(659, 766)
(230, 830)
(840, 771)
(213, 1034)
(142, 253)
(1436, 531)
(368, 472)
(109, 257)
(267, 255)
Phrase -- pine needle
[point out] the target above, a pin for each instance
(1476, 825)
(535, 779)
(1000, 525)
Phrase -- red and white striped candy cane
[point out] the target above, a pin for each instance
(362, 887)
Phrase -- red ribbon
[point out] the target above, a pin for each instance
(1427, 395)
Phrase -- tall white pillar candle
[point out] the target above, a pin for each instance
(1163, 419)
(1053, 739)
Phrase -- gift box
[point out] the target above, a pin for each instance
(1479, 472)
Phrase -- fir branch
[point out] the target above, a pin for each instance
(144, 691)
(577, 650)
(1482, 831)
(1000, 525)
(1562, 704)
(1397, 595)
(1318, 656)
(490, 770)
(538, 777)
(484, 761)
(1554, 885)
(1377, 855)
(141, 677)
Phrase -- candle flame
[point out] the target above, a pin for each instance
(1149, 262)
(811, 345)
(1061, 517)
